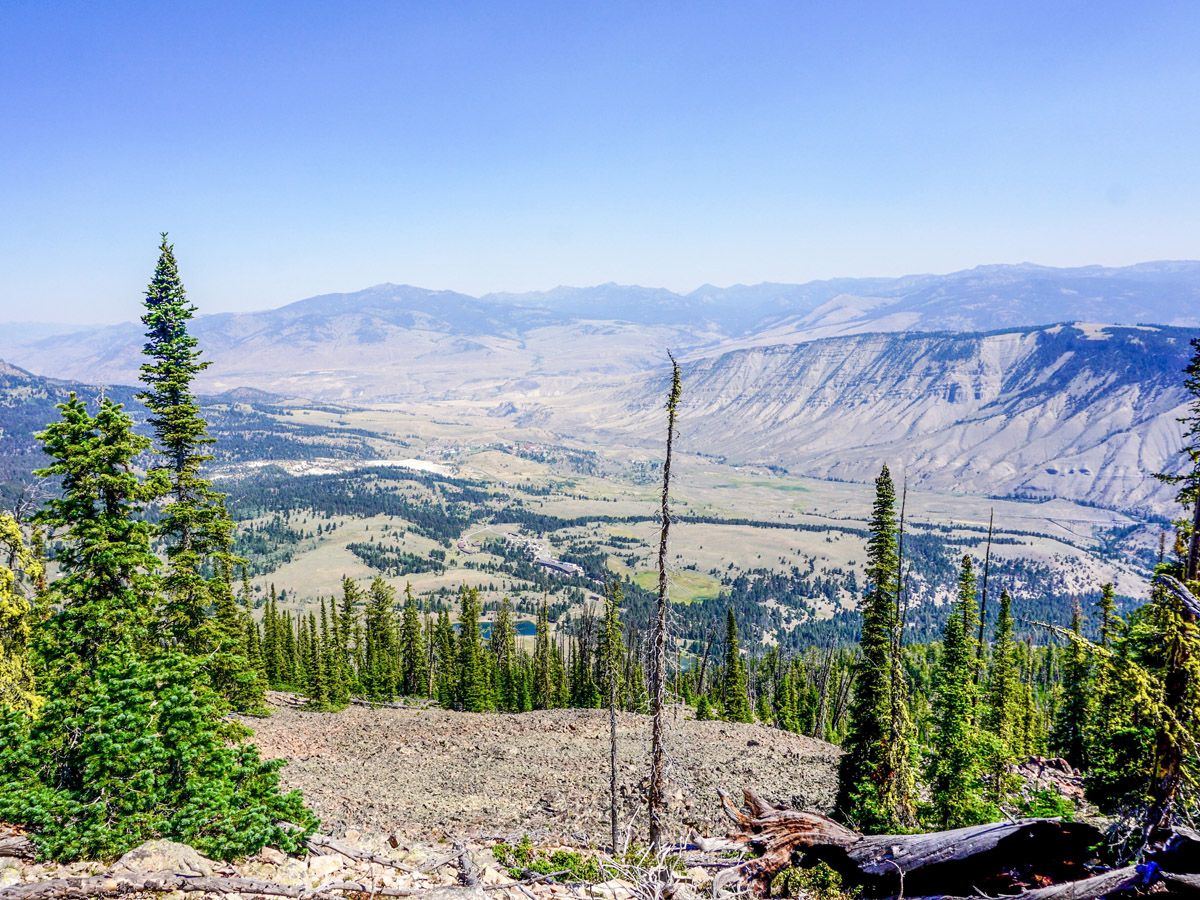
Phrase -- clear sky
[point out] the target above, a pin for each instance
(297, 148)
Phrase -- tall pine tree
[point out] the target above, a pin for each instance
(195, 526)
(874, 778)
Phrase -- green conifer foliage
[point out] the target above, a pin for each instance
(1003, 711)
(131, 743)
(874, 781)
(195, 524)
(474, 678)
(379, 678)
(445, 661)
(637, 698)
(229, 662)
(504, 652)
(543, 664)
(1070, 721)
(735, 698)
(347, 626)
(414, 677)
(17, 564)
(956, 762)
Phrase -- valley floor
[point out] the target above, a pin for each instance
(430, 771)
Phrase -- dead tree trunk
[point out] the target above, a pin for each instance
(658, 673)
(823, 693)
(999, 858)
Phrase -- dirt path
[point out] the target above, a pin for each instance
(543, 773)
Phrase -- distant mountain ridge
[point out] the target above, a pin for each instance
(346, 346)
(963, 376)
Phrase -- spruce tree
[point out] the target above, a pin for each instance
(543, 665)
(1002, 711)
(195, 525)
(446, 661)
(874, 778)
(474, 681)
(347, 629)
(735, 699)
(229, 662)
(379, 678)
(637, 699)
(413, 677)
(131, 743)
(1070, 722)
(956, 756)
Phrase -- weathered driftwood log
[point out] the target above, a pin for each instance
(1183, 885)
(164, 882)
(323, 844)
(1114, 882)
(1001, 858)
(16, 845)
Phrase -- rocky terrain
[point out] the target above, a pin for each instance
(432, 772)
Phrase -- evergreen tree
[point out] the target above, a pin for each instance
(504, 651)
(1070, 723)
(347, 629)
(195, 525)
(474, 681)
(446, 661)
(735, 699)
(131, 743)
(956, 757)
(1003, 712)
(229, 662)
(637, 699)
(414, 677)
(874, 779)
(17, 564)
(379, 678)
(543, 665)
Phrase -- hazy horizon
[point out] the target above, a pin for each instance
(135, 309)
(300, 149)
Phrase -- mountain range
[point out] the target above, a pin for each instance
(982, 380)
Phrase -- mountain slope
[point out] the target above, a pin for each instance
(1077, 411)
(403, 342)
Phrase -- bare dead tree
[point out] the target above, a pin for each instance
(823, 693)
(658, 673)
(612, 652)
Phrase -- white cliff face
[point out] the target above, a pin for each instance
(1083, 413)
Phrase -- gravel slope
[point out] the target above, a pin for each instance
(432, 771)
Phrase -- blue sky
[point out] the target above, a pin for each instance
(296, 148)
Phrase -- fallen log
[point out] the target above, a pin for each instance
(323, 844)
(999, 858)
(1107, 884)
(1184, 885)
(14, 844)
